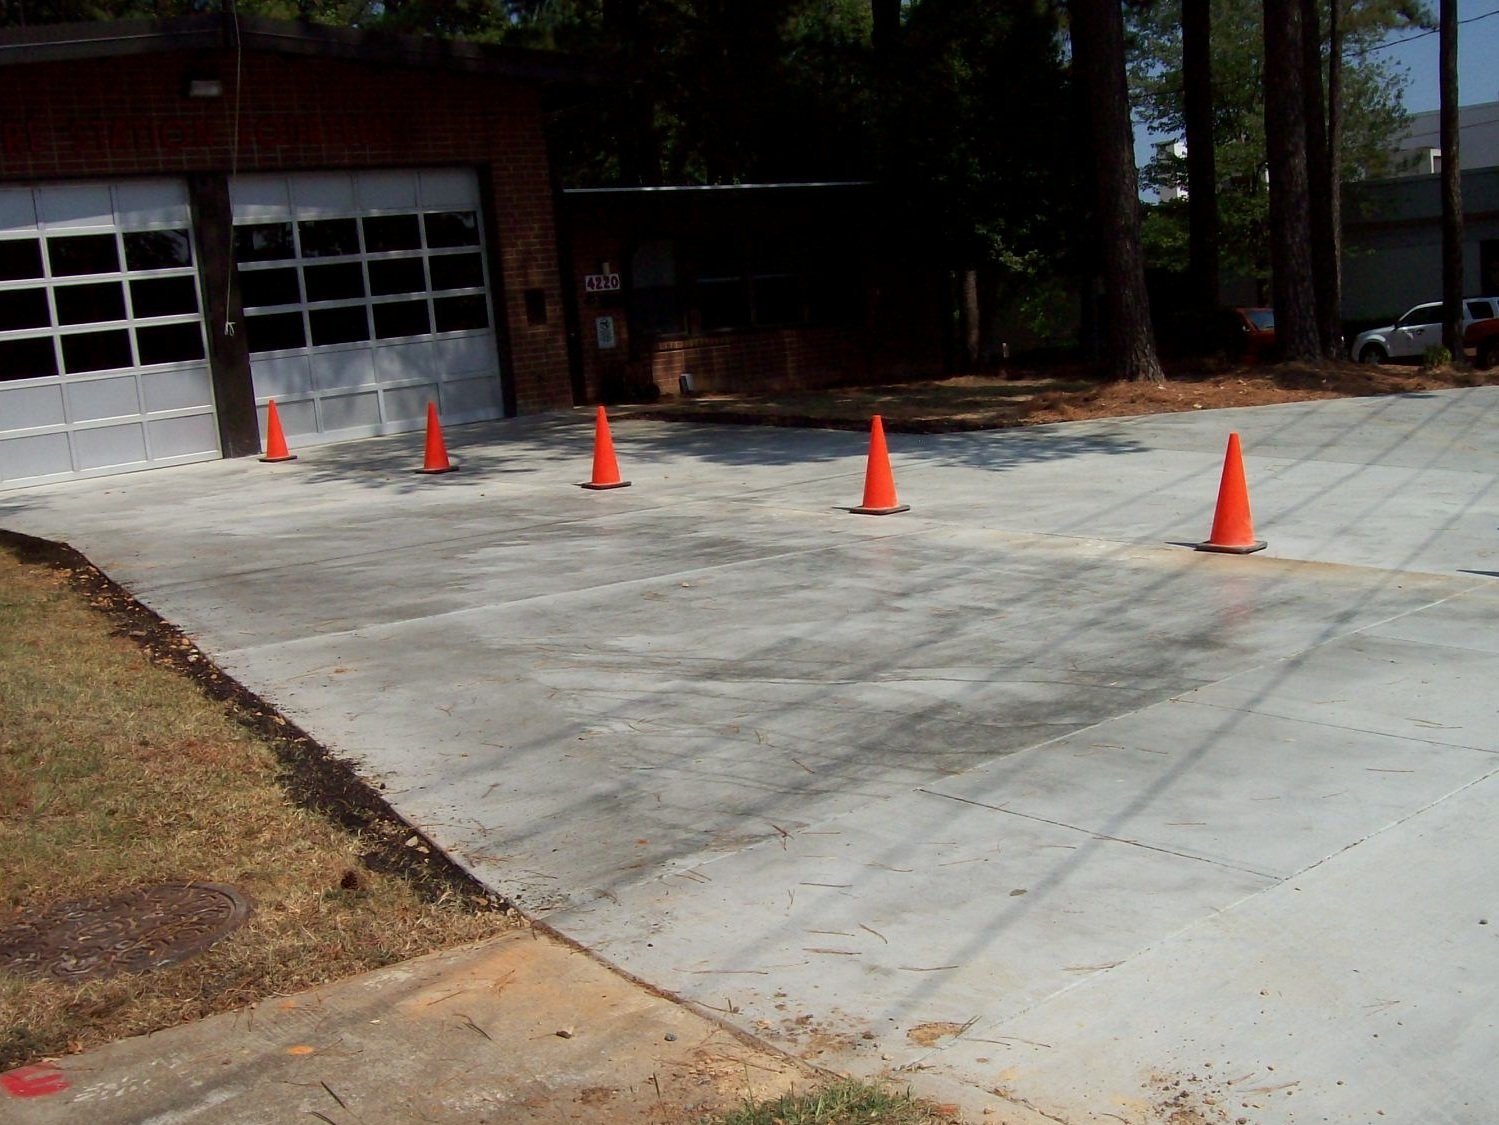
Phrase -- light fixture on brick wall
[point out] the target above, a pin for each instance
(205, 87)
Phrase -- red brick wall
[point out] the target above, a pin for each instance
(896, 338)
(129, 116)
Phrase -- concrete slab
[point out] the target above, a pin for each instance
(834, 776)
(1358, 991)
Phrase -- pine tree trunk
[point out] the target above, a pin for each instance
(885, 15)
(1202, 170)
(1320, 182)
(1290, 204)
(1335, 159)
(970, 316)
(1452, 187)
(1098, 54)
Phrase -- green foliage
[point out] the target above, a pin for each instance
(1436, 356)
(982, 134)
(842, 1103)
(1372, 111)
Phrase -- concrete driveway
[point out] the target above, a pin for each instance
(1010, 791)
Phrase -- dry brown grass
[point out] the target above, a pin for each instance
(117, 772)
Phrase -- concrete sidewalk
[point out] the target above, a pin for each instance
(1007, 791)
(519, 1029)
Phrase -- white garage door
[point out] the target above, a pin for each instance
(102, 358)
(366, 295)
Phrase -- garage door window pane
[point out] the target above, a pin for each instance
(164, 296)
(401, 318)
(397, 275)
(96, 351)
(20, 259)
(452, 228)
(384, 233)
(457, 271)
(158, 250)
(169, 343)
(461, 314)
(338, 326)
(90, 304)
(276, 331)
(270, 287)
(24, 308)
(334, 283)
(27, 359)
(263, 242)
(328, 238)
(84, 253)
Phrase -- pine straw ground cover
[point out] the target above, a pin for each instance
(126, 760)
(1023, 397)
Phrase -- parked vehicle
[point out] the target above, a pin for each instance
(1483, 337)
(1256, 332)
(1420, 328)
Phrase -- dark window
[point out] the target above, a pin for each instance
(384, 233)
(90, 304)
(536, 306)
(834, 299)
(83, 253)
(778, 300)
(1422, 314)
(397, 275)
(722, 304)
(334, 283)
(276, 331)
(96, 351)
(401, 318)
(27, 359)
(338, 326)
(452, 228)
(656, 311)
(655, 300)
(158, 249)
(328, 238)
(1488, 265)
(258, 288)
(20, 259)
(24, 308)
(460, 314)
(169, 343)
(164, 296)
(1481, 310)
(263, 242)
(456, 271)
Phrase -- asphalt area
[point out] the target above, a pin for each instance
(1013, 794)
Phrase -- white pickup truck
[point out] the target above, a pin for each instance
(1420, 328)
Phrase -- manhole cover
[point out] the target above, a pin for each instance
(147, 928)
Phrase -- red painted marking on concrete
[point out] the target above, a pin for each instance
(33, 1081)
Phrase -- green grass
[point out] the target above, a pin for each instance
(117, 772)
(842, 1103)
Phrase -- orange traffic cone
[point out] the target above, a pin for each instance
(605, 467)
(879, 485)
(1233, 529)
(275, 441)
(436, 458)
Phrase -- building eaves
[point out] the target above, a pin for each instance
(113, 38)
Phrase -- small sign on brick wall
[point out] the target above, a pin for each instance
(603, 327)
(601, 283)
